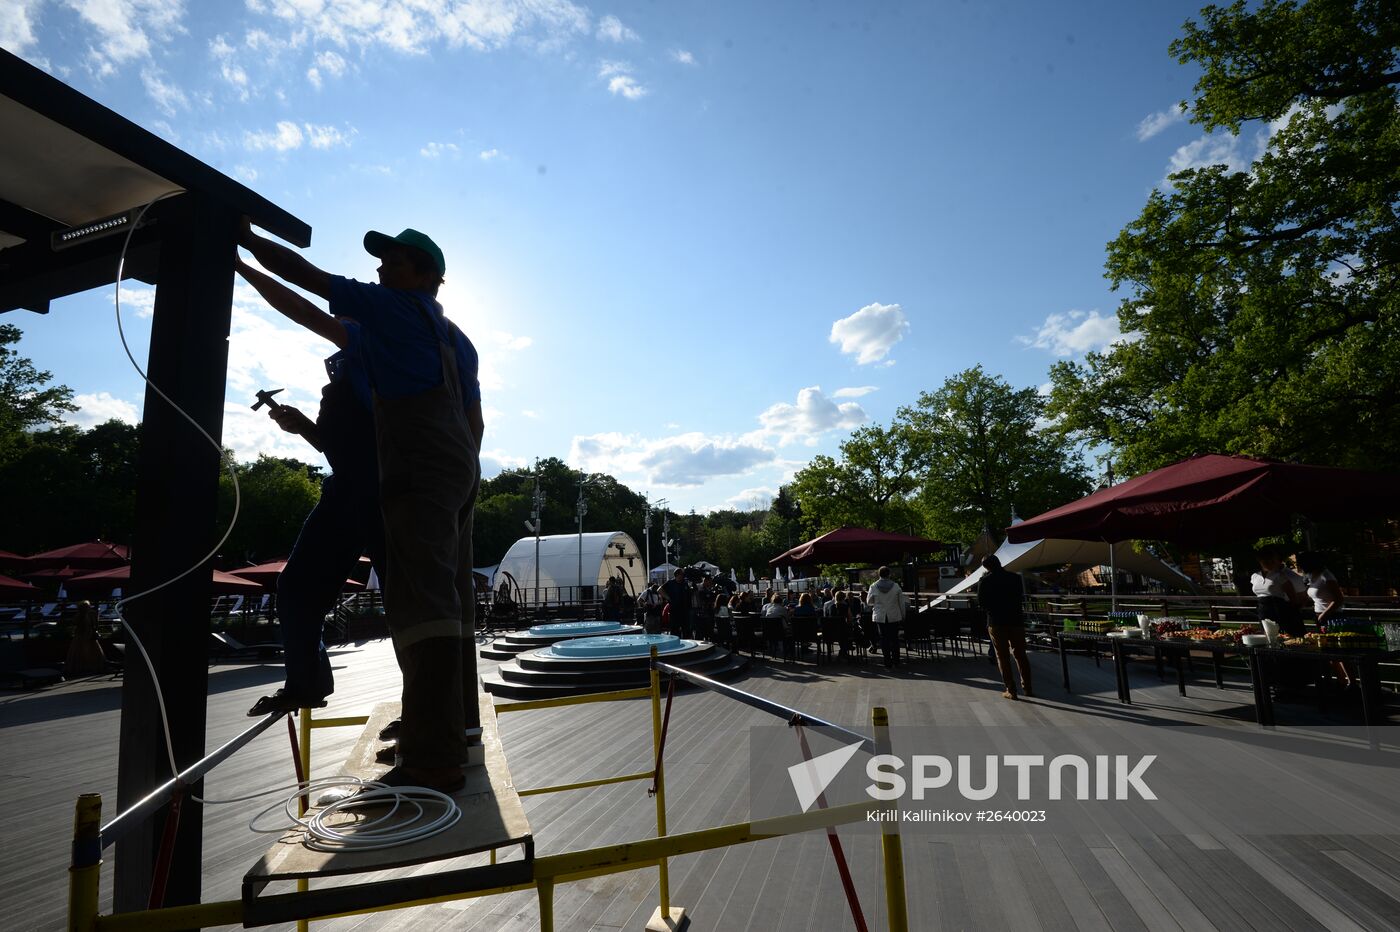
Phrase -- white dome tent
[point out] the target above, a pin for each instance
(603, 555)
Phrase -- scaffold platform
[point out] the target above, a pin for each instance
(492, 819)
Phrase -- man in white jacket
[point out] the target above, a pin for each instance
(886, 612)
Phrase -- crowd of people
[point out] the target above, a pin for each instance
(707, 610)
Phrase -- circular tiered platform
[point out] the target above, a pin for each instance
(508, 646)
(604, 663)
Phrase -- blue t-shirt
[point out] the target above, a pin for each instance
(400, 353)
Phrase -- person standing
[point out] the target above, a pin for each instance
(1002, 595)
(428, 429)
(650, 602)
(345, 522)
(1278, 591)
(1327, 600)
(676, 592)
(702, 610)
(886, 600)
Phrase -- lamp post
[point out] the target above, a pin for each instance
(581, 509)
(534, 524)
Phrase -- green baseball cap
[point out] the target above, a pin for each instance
(377, 243)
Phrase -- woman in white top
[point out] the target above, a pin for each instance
(1279, 590)
(1326, 595)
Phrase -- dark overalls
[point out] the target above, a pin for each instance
(428, 477)
(344, 525)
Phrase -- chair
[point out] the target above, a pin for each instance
(774, 636)
(918, 636)
(804, 632)
(230, 648)
(836, 630)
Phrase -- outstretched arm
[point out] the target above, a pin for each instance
(293, 306)
(285, 263)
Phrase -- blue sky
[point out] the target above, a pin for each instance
(695, 243)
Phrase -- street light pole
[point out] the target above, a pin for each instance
(581, 510)
(536, 508)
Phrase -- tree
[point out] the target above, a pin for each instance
(26, 399)
(275, 496)
(871, 485)
(1264, 302)
(988, 448)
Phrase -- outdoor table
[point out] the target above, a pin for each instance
(1098, 641)
(1179, 648)
(1367, 666)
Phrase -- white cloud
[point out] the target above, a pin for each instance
(684, 460)
(813, 415)
(414, 26)
(871, 332)
(245, 173)
(232, 72)
(490, 155)
(532, 415)
(494, 462)
(682, 56)
(331, 63)
(1153, 124)
(17, 25)
(326, 137)
(758, 499)
(100, 408)
(435, 150)
(611, 29)
(1077, 332)
(285, 137)
(857, 391)
(166, 96)
(1220, 148)
(137, 299)
(125, 28)
(620, 80)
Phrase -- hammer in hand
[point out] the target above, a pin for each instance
(265, 398)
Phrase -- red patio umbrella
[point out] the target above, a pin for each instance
(854, 545)
(223, 583)
(95, 555)
(13, 587)
(266, 574)
(1215, 499)
(59, 573)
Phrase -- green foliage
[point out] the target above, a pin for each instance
(871, 485)
(25, 401)
(987, 449)
(946, 466)
(275, 496)
(1264, 301)
(66, 485)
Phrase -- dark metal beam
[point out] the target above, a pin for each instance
(25, 223)
(51, 98)
(33, 274)
(176, 498)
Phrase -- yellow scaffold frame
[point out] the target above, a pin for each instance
(549, 870)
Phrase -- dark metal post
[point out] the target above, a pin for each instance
(176, 498)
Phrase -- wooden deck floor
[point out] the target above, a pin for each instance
(63, 741)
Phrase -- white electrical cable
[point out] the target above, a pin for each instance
(371, 834)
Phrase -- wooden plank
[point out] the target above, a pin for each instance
(492, 816)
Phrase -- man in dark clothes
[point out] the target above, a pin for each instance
(345, 522)
(428, 428)
(676, 592)
(1001, 595)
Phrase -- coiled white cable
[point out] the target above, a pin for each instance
(370, 834)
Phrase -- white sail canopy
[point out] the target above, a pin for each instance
(1018, 558)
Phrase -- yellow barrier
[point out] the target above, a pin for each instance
(549, 870)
